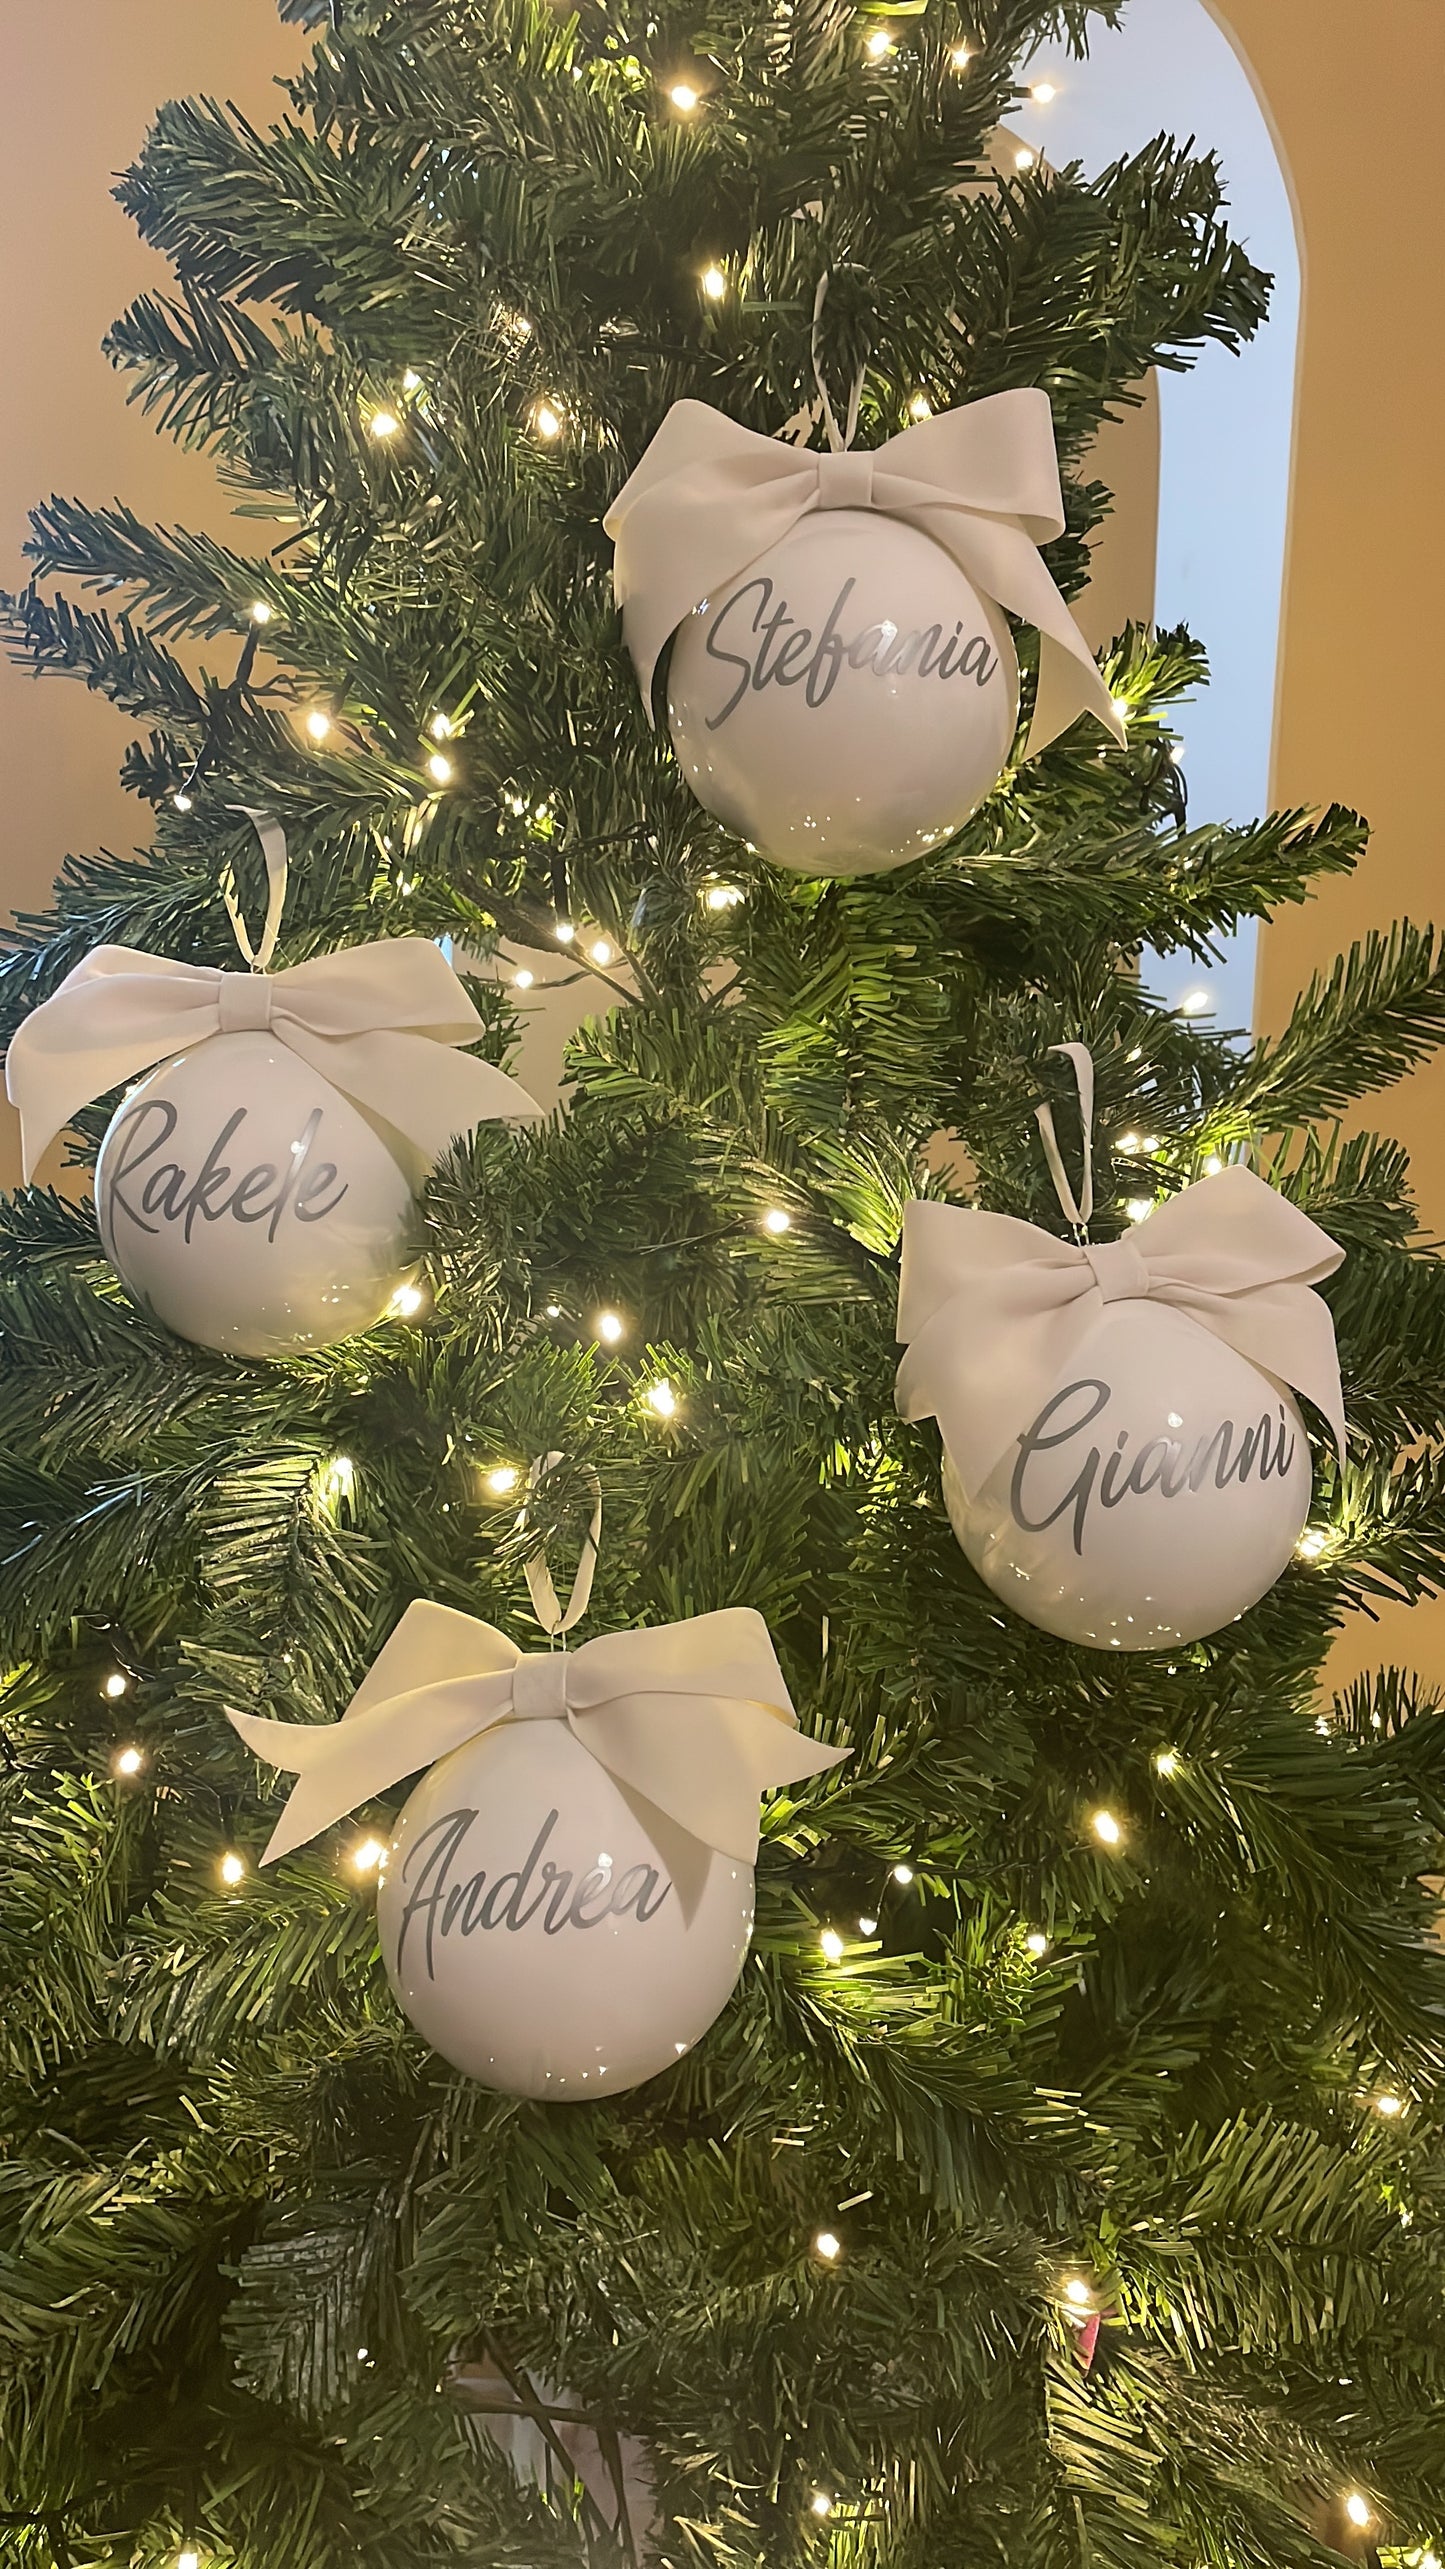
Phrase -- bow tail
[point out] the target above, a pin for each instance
(702, 1760)
(423, 1089)
(100, 1029)
(1002, 560)
(339, 1764)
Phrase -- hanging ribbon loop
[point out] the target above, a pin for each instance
(709, 497)
(1079, 1214)
(273, 847)
(540, 1588)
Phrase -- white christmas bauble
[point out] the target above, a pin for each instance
(1157, 1494)
(250, 1205)
(848, 701)
(548, 1932)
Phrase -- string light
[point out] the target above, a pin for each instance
(820, 2502)
(1128, 1143)
(1037, 1944)
(1106, 1828)
(1167, 1762)
(683, 96)
(338, 1480)
(1195, 1003)
(367, 1855)
(903, 1873)
(233, 1869)
(1213, 1165)
(564, 932)
(662, 1398)
(1390, 2106)
(182, 802)
(828, 2246)
(1151, 1144)
(188, 2559)
(554, 1311)
(523, 980)
(411, 380)
(867, 1926)
(879, 44)
(439, 769)
(261, 613)
(116, 1685)
(832, 1944)
(406, 1302)
(1078, 2294)
(777, 1221)
(714, 284)
(1311, 1544)
(502, 1480)
(1123, 708)
(1357, 2509)
(601, 951)
(920, 407)
(441, 727)
(1043, 93)
(127, 1761)
(722, 896)
(383, 423)
(317, 723)
(1139, 1208)
(961, 57)
(1025, 159)
(546, 421)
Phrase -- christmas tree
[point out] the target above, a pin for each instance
(1060, 2184)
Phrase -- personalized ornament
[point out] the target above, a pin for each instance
(843, 687)
(567, 1899)
(1123, 1461)
(258, 1191)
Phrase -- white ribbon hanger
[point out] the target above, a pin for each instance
(381, 1022)
(993, 1311)
(695, 1717)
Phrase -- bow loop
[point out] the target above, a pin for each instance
(709, 497)
(695, 1717)
(379, 1022)
(992, 1311)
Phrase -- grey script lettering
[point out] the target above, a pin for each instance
(782, 653)
(450, 1902)
(142, 1188)
(1228, 1455)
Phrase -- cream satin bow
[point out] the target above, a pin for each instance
(379, 1022)
(694, 1716)
(993, 1311)
(710, 496)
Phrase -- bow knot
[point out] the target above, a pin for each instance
(539, 1687)
(710, 497)
(993, 1312)
(1119, 1271)
(845, 481)
(245, 1002)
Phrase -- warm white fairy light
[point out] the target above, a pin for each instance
(523, 980)
(600, 951)
(441, 727)
(182, 802)
(338, 1479)
(554, 1311)
(1078, 2294)
(127, 1761)
(564, 932)
(879, 44)
(821, 2503)
(662, 1398)
(1025, 159)
(116, 1685)
(1166, 1762)
(318, 724)
(1036, 1944)
(722, 896)
(188, 2559)
(1106, 1828)
(383, 423)
(406, 1302)
(1213, 1165)
(1043, 93)
(867, 1926)
(961, 57)
(1139, 1207)
(683, 96)
(1123, 708)
(233, 1869)
(608, 1327)
(1195, 1003)
(1390, 2106)
(777, 1221)
(903, 1873)
(440, 769)
(1129, 1144)
(502, 1480)
(366, 1855)
(920, 407)
(828, 2246)
(1358, 2510)
(832, 1945)
(714, 284)
(1311, 1544)
(261, 613)
(546, 420)
(411, 380)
